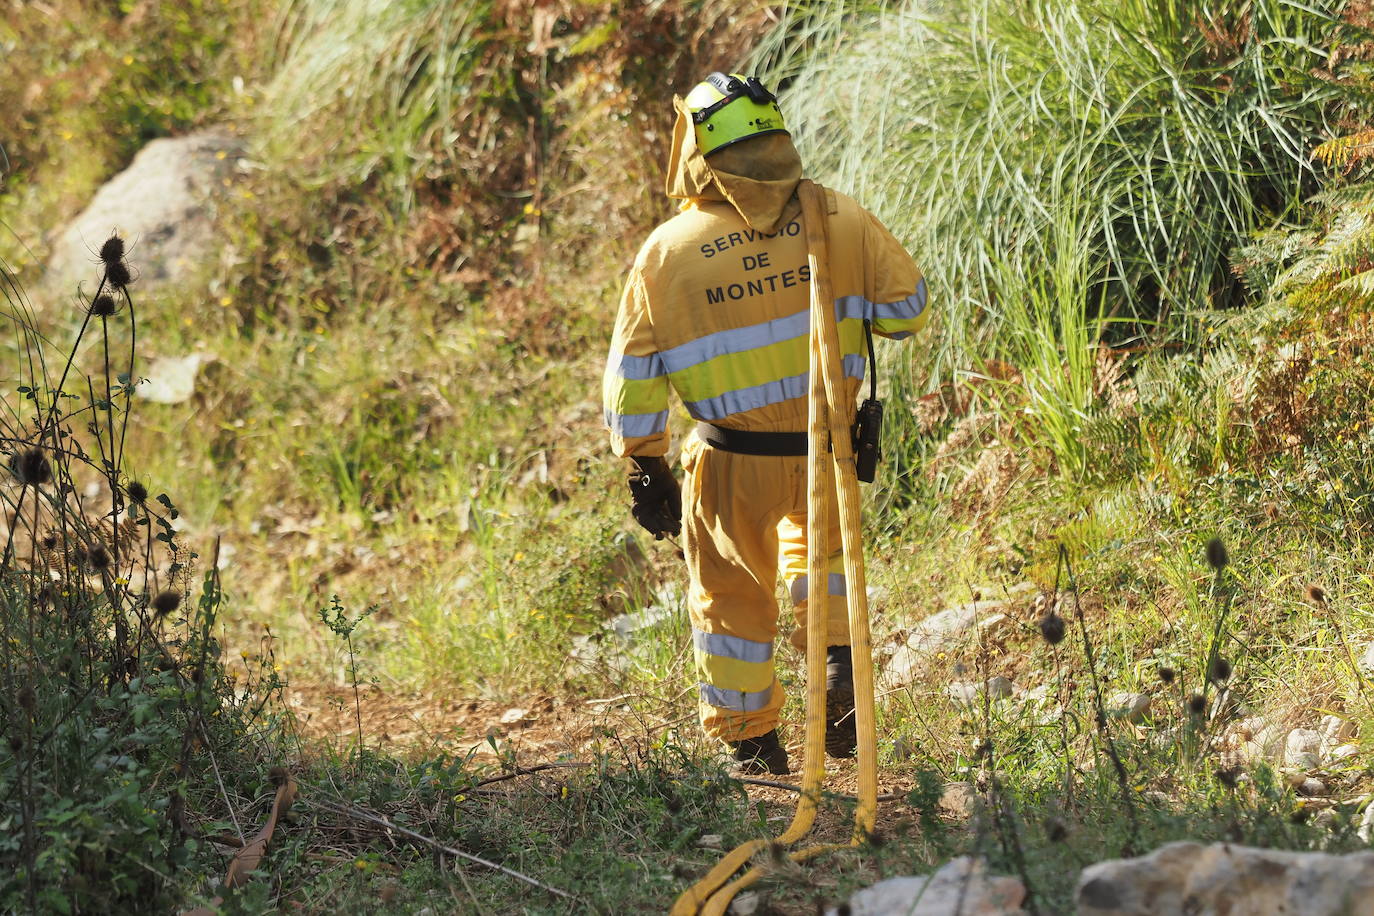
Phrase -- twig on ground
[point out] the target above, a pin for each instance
(525, 771)
(358, 814)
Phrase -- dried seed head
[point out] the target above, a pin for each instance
(136, 492)
(118, 274)
(1052, 628)
(1316, 594)
(49, 541)
(1220, 670)
(1167, 675)
(31, 467)
(27, 699)
(112, 251)
(1217, 557)
(1197, 704)
(1228, 776)
(776, 853)
(166, 602)
(103, 306)
(277, 776)
(99, 558)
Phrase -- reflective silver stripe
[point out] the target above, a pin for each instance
(738, 700)
(737, 340)
(724, 645)
(633, 425)
(642, 368)
(756, 396)
(800, 587)
(901, 310)
(751, 337)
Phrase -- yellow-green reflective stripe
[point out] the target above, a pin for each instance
(750, 368)
(738, 701)
(744, 399)
(737, 340)
(733, 674)
(631, 396)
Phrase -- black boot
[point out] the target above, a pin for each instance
(841, 731)
(764, 754)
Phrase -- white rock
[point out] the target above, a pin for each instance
(161, 205)
(172, 379)
(962, 692)
(1133, 707)
(1344, 752)
(940, 631)
(1304, 748)
(1366, 829)
(513, 715)
(959, 886)
(745, 904)
(1335, 729)
(1189, 878)
(1311, 787)
(958, 799)
(1367, 659)
(710, 841)
(999, 688)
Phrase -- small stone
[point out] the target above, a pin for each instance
(999, 688)
(962, 692)
(1335, 729)
(1303, 748)
(710, 841)
(745, 904)
(1312, 787)
(959, 886)
(958, 799)
(513, 715)
(1344, 752)
(1133, 707)
(1366, 830)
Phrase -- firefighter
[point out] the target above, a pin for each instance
(716, 309)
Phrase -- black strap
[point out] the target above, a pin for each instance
(872, 362)
(753, 442)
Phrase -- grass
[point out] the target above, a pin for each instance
(402, 413)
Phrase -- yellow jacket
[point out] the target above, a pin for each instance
(717, 304)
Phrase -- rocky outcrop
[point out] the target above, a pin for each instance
(959, 886)
(163, 206)
(1226, 880)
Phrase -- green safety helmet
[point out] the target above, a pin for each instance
(729, 108)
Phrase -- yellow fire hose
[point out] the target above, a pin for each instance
(830, 462)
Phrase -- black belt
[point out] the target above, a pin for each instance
(751, 442)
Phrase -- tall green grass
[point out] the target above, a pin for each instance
(1153, 135)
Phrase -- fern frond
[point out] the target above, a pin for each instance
(1343, 151)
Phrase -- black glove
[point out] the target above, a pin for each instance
(657, 497)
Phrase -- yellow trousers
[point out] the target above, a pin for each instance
(744, 516)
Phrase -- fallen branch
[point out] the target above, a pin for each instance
(525, 771)
(359, 814)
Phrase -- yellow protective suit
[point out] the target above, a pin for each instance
(716, 308)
